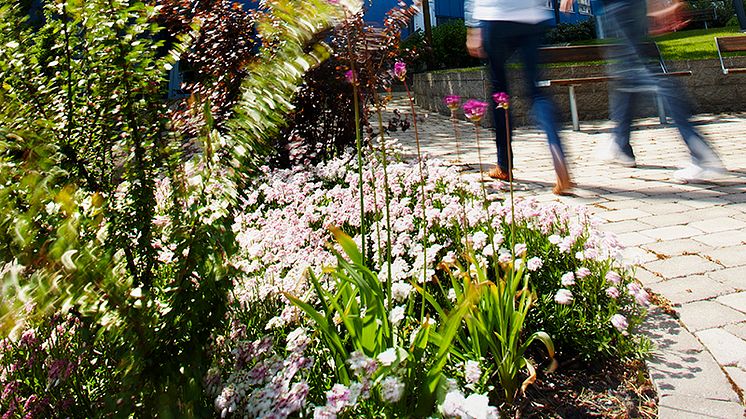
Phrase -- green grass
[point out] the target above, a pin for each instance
(696, 44)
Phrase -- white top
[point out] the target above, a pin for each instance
(526, 11)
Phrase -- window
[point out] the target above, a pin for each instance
(584, 7)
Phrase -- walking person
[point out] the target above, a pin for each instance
(496, 29)
(633, 76)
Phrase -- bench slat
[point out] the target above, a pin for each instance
(731, 43)
(736, 70)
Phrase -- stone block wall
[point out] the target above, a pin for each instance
(707, 89)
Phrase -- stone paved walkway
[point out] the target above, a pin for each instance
(689, 241)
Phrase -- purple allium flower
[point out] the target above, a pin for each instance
(620, 322)
(502, 100)
(474, 109)
(612, 292)
(452, 101)
(613, 277)
(568, 279)
(582, 272)
(351, 77)
(400, 70)
(563, 297)
(534, 263)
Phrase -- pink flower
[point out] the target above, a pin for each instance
(620, 322)
(400, 70)
(351, 77)
(474, 109)
(612, 292)
(613, 277)
(501, 99)
(582, 272)
(520, 249)
(563, 297)
(452, 101)
(568, 279)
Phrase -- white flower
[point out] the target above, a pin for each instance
(452, 295)
(453, 403)
(620, 322)
(387, 357)
(534, 264)
(396, 315)
(554, 239)
(520, 249)
(476, 406)
(391, 389)
(582, 272)
(568, 279)
(472, 372)
(400, 291)
(563, 297)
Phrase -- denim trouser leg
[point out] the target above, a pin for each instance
(498, 51)
(626, 20)
(501, 40)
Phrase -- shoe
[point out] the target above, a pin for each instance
(694, 172)
(611, 153)
(499, 174)
(564, 184)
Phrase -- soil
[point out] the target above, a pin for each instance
(602, 391)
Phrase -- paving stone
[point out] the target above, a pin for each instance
(680, 365)
(624, 214)
(624, 226)
(677, 247)
(690, 288)
(684, 407)
(646, 277)
(672, 232)
(633, 239)
(715, 225)
(637, 256)
(736, 301)
(733, 277)
(722, 239)
(664, 220)
(738, 329)
(701, 315)
(728, 256)
(727, 348)
(681, 265)
(704, 203)
(738, 376)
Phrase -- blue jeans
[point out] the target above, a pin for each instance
(501, 40)
(627, 21)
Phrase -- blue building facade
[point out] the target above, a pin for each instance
(447, 10)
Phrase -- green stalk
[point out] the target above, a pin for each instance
(387, 199)
(358, 142)
(422, 187)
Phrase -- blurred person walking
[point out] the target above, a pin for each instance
(496, 29)
(627, 20)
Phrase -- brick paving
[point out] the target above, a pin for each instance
(689, 240)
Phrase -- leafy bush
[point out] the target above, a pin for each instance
(103, 214)
(571, 32)
(449, 47)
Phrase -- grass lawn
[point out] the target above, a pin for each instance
(696, 44)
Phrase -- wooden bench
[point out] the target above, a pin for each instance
(730, 44)
(706, 15)
(598, 53)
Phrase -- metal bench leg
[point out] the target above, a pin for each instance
(661, 109)
(574, 110)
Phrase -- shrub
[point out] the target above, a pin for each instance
(571, 32)
(449, 47)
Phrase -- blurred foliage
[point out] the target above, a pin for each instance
(322, 123)
(215, 64)
(447, 51)
(101, 213)
(723, 13)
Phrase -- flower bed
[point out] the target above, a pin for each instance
(583, 297)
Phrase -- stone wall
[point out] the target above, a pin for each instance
(708, 90)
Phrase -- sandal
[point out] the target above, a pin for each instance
(498, 173)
